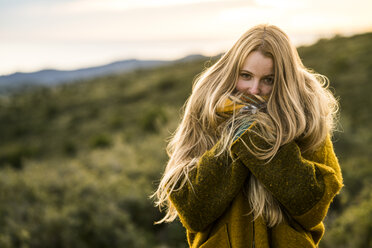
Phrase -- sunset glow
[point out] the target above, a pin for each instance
(69, 34)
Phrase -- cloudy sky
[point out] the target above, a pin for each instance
(70, 34)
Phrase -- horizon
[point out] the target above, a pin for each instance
(75, 34)
(160, 59)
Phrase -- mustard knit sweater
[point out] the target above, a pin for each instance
(214, 210)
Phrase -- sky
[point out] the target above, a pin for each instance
(72, 34)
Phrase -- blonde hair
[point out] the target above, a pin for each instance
(299, 108)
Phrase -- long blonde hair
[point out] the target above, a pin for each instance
(300, 108)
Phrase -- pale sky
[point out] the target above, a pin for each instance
(71, 34)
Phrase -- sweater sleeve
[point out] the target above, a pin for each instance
(213, 183)
(304, 185)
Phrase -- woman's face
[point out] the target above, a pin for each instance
(257, 75)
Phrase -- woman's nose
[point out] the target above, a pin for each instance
(254, 89)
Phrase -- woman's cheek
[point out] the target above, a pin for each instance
(268, 89)
(242, 86)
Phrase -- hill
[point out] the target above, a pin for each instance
(78, 161)
(51, 77)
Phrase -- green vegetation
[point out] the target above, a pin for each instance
(78, 161)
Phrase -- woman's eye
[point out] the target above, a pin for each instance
(245, 76)
(269, 80)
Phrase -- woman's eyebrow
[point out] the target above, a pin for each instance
(268, 75)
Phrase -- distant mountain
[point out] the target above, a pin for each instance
(52, 77)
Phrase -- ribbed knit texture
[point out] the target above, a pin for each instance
(214, 210)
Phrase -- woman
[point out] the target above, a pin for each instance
(252, 164)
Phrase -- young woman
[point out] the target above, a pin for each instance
(252, 163)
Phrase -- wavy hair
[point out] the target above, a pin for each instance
(300, 107)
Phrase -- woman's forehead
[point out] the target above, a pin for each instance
(257, 63)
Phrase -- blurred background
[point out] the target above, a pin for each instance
(91, 90)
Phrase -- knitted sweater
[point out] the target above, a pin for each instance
(215, 211)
